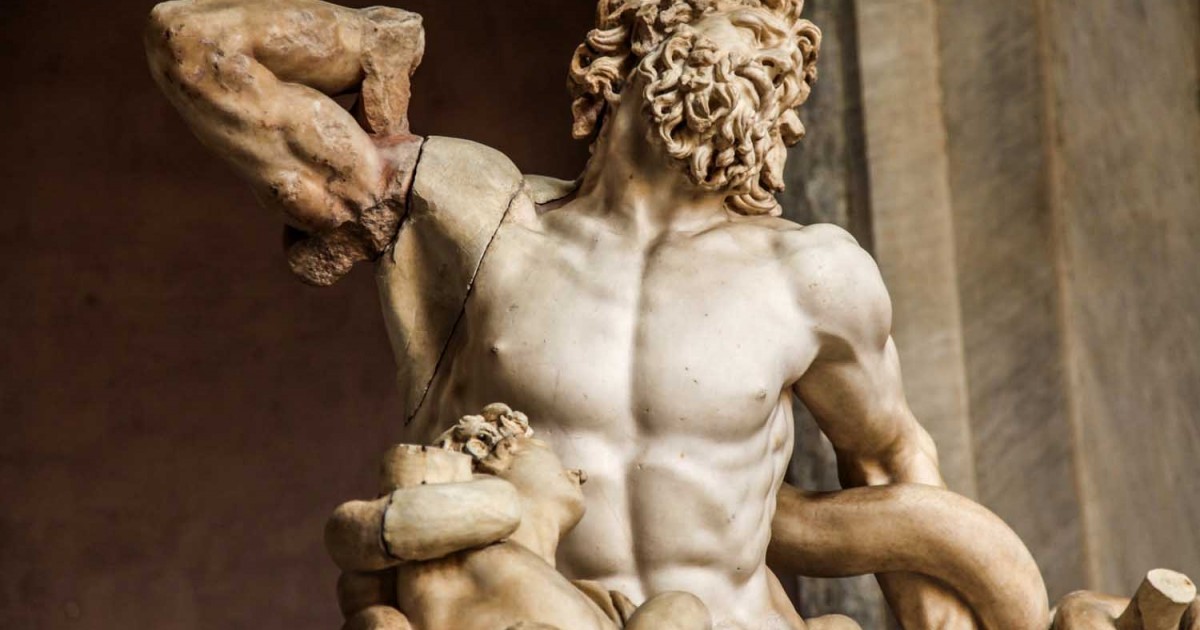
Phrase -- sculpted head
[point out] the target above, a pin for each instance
(501, 443)
(553, 491)
(718, 80)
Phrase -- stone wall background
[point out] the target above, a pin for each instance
(179, 415)
(1033, 171)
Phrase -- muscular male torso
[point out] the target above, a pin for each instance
(665, 375)
(660, 356)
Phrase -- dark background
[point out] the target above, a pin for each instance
(180, 414)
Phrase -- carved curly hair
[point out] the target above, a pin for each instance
(627, 31)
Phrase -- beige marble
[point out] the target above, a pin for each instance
(493, 568)
(500, 570)
(1166, 600)
(656, 317)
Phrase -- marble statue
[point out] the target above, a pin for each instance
(493, 565)
(499, 570)
(655, 317)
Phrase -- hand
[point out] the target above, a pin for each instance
(368, 601)
(1166, 600)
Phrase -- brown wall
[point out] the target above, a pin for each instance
(1124, 93)
(1033, 199)
(1035, 170)
(179, 414)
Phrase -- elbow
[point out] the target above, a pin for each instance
(162, 52)
(173, 35)
(166, 19)
(162, 13)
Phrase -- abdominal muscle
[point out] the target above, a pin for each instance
(684, 455)
(668, 508)
(682, 514)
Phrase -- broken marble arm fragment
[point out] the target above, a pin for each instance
(255, 82)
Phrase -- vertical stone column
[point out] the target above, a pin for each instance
(993, 108)
(1123, 87)
(1035, 167)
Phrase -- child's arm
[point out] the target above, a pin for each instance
(422, 523)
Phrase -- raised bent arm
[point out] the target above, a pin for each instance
(254, 81)
(854, 391)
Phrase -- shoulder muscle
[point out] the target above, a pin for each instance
(839, 288)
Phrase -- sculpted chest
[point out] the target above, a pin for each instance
(587, 330)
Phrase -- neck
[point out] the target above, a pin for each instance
(539, 531)
(634, 183)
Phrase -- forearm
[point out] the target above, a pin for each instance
(286, 138)
(253, 81)
(421, 523)
(313, 43)
(323, 46)
(940, 559)
(916, 599)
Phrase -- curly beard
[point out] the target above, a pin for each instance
(720, 117)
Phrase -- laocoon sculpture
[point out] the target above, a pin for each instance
(656, 319)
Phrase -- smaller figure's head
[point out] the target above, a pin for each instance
(501, 443)
(719, 81)
(530, 464)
